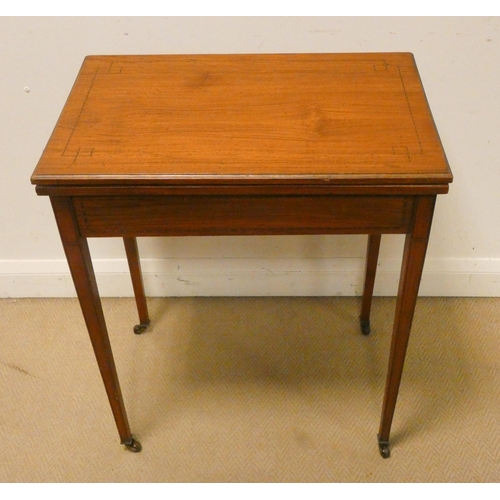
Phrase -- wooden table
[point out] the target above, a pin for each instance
(280, 144)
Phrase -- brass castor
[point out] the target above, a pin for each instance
(365, 326)
(133, 445)
(138, 329)
(383, 447)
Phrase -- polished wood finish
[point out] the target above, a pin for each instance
(245, 119)
(207, 214)
(80, 264)
(411, 272)
(244, 144)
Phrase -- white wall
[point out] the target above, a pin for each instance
(459, 61)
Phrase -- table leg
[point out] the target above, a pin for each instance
(134, 265)
(82, 272)
(372, 252)
(411, 273)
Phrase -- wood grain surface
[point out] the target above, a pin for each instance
(245, 119)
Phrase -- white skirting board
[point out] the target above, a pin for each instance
(251, 277)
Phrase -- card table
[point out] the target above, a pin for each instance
(244, 144)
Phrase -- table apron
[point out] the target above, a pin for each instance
(206, 215)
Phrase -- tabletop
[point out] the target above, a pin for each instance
(159, 120)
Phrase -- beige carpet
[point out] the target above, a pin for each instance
(250, 390)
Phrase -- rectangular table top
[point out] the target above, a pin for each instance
(161, 120)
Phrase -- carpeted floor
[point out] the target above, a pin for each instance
(250, 390)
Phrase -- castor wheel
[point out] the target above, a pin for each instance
(383, 447)
(365, 326)
(133, 445)
(138, 329)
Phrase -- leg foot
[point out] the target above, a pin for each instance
(138, 329)
(383, 447)
(365, 326)
(132, 445)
